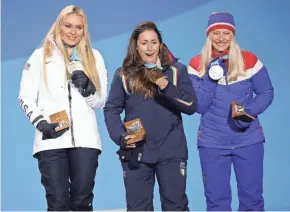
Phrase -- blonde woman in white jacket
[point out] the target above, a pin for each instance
(66, 74)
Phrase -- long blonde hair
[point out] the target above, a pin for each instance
(236, 61)
(83, 47)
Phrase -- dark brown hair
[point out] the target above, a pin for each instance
(133, 65)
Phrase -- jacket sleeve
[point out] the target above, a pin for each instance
(204, 87)
(29, 87)
(97, 101)
(263, 89)
(181, 95)
(114, 107)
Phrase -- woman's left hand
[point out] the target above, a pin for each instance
(80, 79)
(162, 82)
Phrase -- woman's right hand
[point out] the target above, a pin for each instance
(48, 130)
(125, 140)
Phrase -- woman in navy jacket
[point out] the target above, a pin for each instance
(159, 105)
(222, 140)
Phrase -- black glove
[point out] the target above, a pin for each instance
(123, 141)
(81, 80)
(89, 90)
(48, 130)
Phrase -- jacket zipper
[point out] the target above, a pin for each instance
(70, 113)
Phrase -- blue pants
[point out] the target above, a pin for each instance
(139, 184)
(248, 167)
(68, 176)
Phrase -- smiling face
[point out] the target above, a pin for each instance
(221, 39)
(148, 46)
(72, 30)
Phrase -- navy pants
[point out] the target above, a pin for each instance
(139, 184)
(248, 167)
(68, 176)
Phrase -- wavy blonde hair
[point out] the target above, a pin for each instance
(84, 48)
(236, 60)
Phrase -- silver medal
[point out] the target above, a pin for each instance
(216, 72)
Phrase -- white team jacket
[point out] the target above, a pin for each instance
(39, 101)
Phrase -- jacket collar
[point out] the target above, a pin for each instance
(216, 53)
(172, 58)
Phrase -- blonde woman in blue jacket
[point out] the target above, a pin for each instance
(221, 74)
(68, 158)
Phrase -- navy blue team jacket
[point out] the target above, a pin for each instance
(161, 116)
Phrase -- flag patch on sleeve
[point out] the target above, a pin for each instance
(27, 66)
